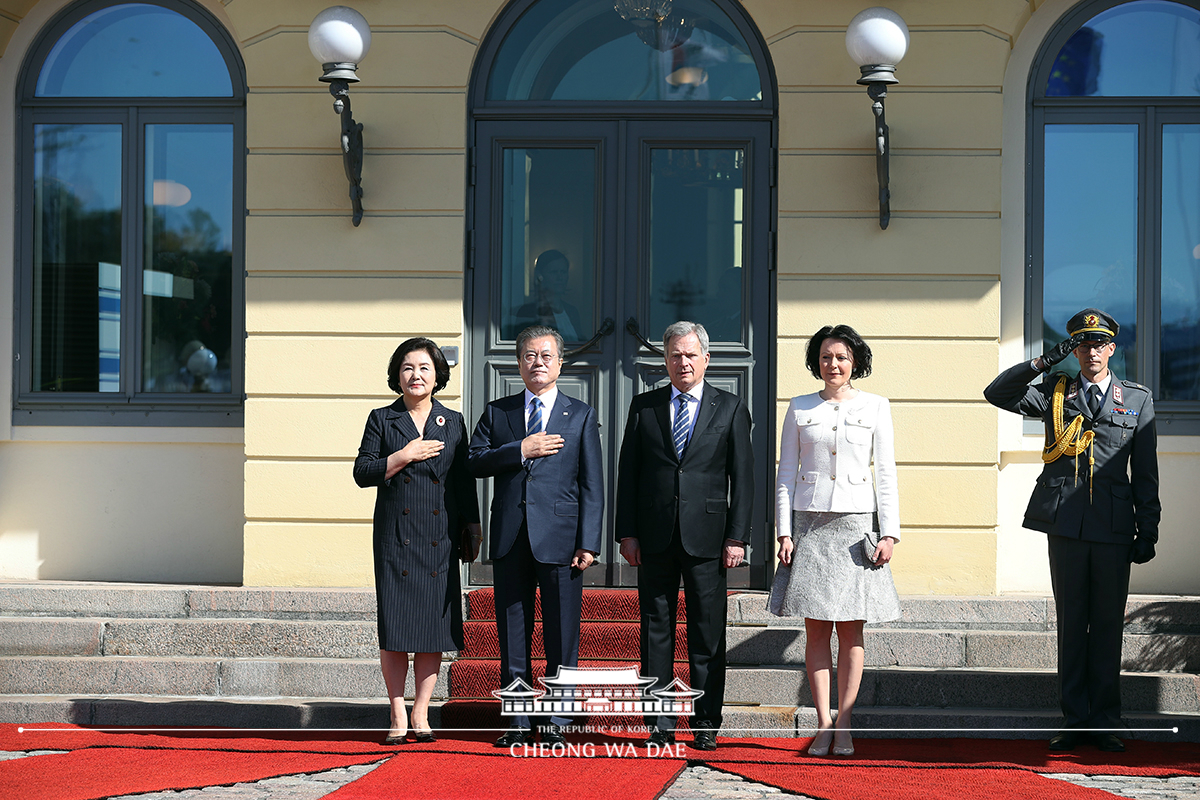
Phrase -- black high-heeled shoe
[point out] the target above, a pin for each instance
(424, 737)
(396, 738)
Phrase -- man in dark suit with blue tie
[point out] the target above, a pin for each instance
(543, 449)
(685, 492)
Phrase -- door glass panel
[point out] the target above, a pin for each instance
(1091, 229)
(187, 281)
(77, 258)
(548, 241)
(134, 50)
(1140, 49)
(628, 50)
(697, 200)
(1179, 356)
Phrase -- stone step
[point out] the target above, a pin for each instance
(272, 638)
(1144, 613)
(372, 713)
(230, 638)
(910, 687)
(139, 601)
(908, 647)
(201, 677)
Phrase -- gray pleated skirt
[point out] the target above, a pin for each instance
(830, 577)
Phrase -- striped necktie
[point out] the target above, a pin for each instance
(535, 417)
(679, 433)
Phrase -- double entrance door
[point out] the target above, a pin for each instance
(609, 231)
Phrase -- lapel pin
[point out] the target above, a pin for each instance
(440, 420)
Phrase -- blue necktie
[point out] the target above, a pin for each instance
(535, 417)
(679, 433)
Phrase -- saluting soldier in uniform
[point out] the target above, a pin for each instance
(1097, 498)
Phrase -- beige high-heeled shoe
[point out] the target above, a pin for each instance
(821, 742)
(844, 749)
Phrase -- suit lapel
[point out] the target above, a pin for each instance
(558, 417)
(707, 408)
(662, 411)
(402, 420)
(516, 416)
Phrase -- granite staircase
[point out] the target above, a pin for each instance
(132, 654)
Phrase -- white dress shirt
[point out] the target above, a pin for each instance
(825, 454)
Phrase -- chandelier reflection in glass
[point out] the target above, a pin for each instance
(654, 23)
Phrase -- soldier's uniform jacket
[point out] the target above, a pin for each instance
(1123, 498)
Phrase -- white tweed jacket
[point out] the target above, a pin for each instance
(825, 453)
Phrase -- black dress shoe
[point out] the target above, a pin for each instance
(1065, 740)
(660, 737)
(704, 739)
(1108, 742)
(552, 735)
(514, 736)
(424, 737)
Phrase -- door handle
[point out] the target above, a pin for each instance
(631, 325)
(606, 327)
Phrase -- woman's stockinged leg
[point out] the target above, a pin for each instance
(849, 677)
(425, 674)
(394, 666)
(818, 663)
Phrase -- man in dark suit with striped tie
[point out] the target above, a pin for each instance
(543, 450)
(685, 490)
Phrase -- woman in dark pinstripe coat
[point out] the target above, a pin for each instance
(415, 452)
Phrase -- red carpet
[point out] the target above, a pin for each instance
(104, 772)
(465, 765)
(503, 777)
(1150, 759)
(598, 604)
(824, 782)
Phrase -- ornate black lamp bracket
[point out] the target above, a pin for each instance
(352, 144)
(878, 92)
(631, 325)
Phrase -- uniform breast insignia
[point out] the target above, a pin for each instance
(1118, 396)
(1125, 412)
(1073, 392)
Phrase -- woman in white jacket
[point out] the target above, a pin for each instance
(836, 523)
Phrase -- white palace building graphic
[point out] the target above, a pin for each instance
(596, 691)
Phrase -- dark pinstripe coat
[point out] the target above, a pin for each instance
(419, 515)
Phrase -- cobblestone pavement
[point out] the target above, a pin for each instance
(694, 783)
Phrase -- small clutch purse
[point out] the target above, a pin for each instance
(869, 542)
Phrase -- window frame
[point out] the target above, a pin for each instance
(130, 406)
(1150, 114)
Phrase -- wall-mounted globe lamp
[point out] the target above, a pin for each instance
(877, 39)
(339, 38)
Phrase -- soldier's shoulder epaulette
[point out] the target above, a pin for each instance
(1135, 385)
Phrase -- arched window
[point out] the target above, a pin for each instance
(629, 50)
(130, 219)
(1115, 191)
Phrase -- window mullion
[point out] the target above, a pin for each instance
(1149, 208)
(131, 271)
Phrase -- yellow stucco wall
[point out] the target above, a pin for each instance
(327, 303)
